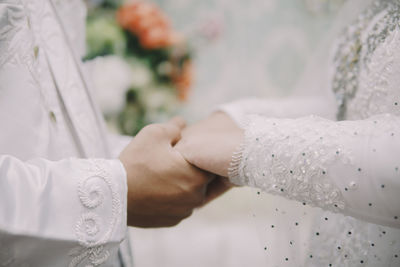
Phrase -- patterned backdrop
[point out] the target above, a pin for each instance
(255, 47)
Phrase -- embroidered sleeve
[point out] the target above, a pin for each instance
(75, 208)
(350, 167)
(292, 107)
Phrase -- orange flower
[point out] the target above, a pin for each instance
(126, 15)
(154, 38)
(148, 23)
(151, 22)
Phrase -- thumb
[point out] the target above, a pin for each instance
(171, 133)
(178, 122)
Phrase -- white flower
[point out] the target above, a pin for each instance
(142, 75)
(111, 77)
(160, 102)
(159, 97)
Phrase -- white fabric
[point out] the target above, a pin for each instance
(62, 198)
(295, 149)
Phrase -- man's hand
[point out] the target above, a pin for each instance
(163, 188)
(210, 144)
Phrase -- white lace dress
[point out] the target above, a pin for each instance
(338, 151)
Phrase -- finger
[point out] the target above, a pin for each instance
(171, 133)
(202, 177)
(178, 122)
(196, 179)
(216, 188)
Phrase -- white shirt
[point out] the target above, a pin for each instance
(62, 196)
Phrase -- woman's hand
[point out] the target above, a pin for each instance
(210, 144)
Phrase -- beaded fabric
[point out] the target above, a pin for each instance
(348, 168)
(354, 50)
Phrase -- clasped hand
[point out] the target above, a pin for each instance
(173, 169)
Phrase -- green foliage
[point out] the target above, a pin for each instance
(132, 118)
(104, 36)
(153, 96)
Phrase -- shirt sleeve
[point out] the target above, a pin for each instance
(291, 107)
(351, 167)
(63, 213)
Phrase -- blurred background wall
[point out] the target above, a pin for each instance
(242, 48)
(260, 47)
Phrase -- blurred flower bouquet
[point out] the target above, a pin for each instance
(140, 66)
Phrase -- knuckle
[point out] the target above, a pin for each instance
(148, 129)
(191, 186)
(171, 129)
(160, 129)
(155, 128)
(185, 190)
(194, 195)
(192, 190)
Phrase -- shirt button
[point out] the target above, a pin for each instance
(52, 116)
(36, 51)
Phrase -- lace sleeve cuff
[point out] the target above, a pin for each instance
(234, 173)
(349, 167)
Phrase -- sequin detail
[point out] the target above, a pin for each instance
(353, 50)
(271, 160)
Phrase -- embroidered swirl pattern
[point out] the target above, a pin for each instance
(91, 232)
